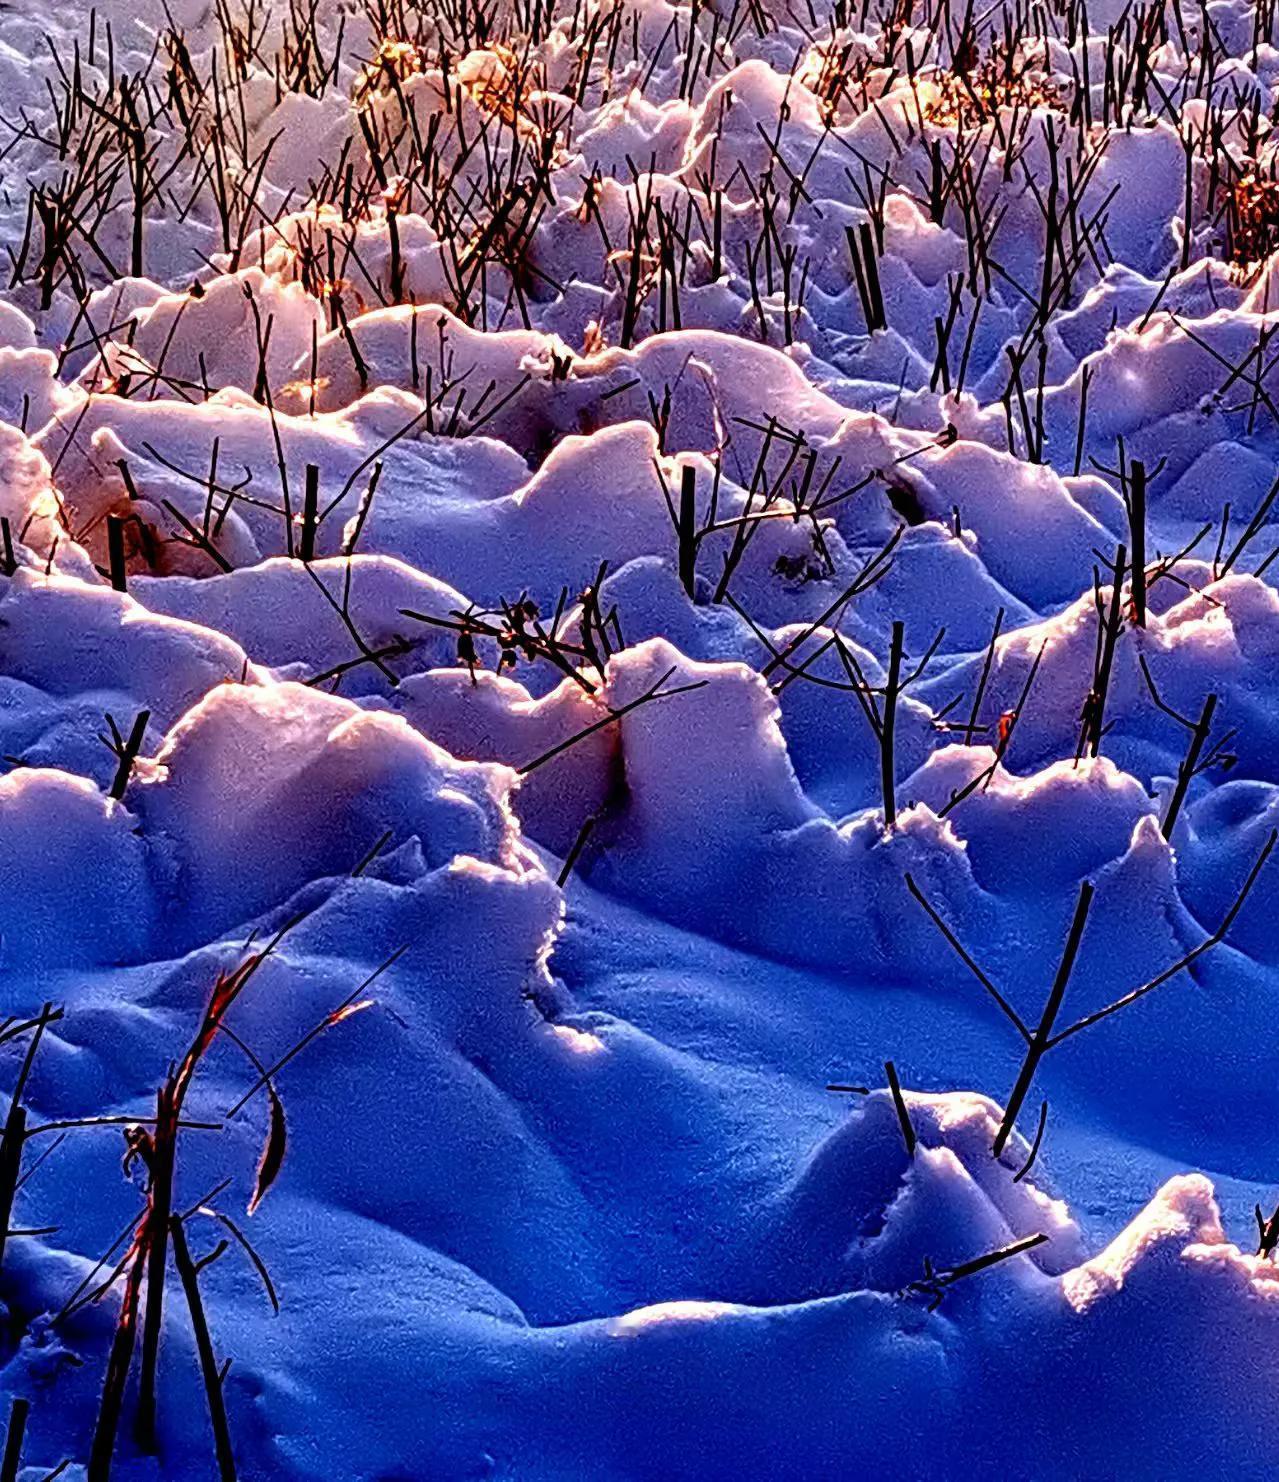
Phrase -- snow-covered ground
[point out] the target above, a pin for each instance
(638, 645)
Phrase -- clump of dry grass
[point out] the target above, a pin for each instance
(1252, 217)
(969, 96)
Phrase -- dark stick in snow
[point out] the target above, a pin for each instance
(1136, 501)
(1039, 1042)
(189, 1275)
(888, 725)
(1194, 762)
(310, 513)
(13, 1139)
(1046, 1036)
(13, 1440)
(1034, 1145)
(879, 705)
(688, 531)
(1110, 621)
(126, 751)
(579, 843)
(1267, 1232)
(935, 1284)
(899, 1103)
(654, 692)
(115, 553)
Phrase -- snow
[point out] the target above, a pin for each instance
(648, 796)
